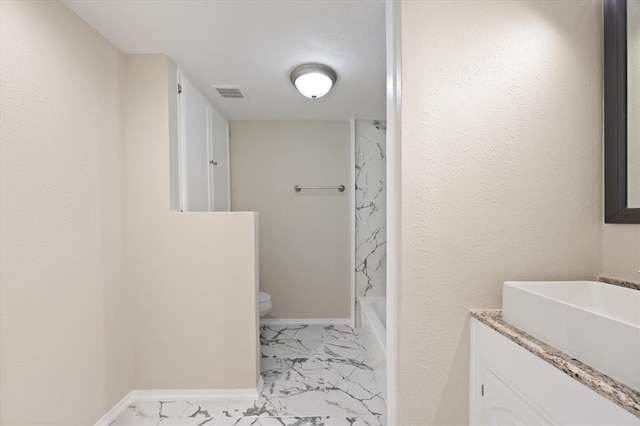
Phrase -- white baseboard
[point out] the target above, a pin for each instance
(305, 321)
(116, 410)
(178, 395)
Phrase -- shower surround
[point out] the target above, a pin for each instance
(370, 196)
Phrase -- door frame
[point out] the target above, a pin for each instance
(394, 86)
(352, 214)
(183, 79)
(182, 173)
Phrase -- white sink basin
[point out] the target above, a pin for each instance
(596, 323)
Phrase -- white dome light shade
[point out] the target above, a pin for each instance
(313, 85)
(313, 80)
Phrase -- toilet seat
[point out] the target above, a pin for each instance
(265, 303)
(264, 297)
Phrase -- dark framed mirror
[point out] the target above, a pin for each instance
(622, 111)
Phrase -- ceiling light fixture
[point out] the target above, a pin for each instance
(313, 80)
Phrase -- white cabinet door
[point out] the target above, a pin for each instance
(499, 404)
(511, 386)
(196, 189)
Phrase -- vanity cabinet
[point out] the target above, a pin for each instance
(511, 386)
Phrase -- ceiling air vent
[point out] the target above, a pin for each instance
(232, 92)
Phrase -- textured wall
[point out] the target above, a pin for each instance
(194, 275)
(501, 174)
(371, 248)
(621, 251)
(66, 346)
(304, 236)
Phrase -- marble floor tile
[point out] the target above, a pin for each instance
(292, 349)
(244, 408)
(354, 421)
(281, 401)
(142, 410)
(277, 369)
(172, 410)
(294, 387)
(270, 421)
(292, 332)
(308, 332)
(339, 370)
(352, 398)
(345, 349)
(301, 402)
(299, 389)
(340, 332)
(164, 422)
(195, 409)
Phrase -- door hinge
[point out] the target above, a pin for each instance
(482, 390)
(179, 88)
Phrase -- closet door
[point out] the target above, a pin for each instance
(196, 175)
(220, 165)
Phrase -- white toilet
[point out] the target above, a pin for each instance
(265, 303)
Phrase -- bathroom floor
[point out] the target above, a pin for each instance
(313, 375)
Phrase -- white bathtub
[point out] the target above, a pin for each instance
(373, 331)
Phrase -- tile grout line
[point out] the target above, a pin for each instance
(324, 380)
(221, 411)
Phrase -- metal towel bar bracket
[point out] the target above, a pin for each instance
(299, 188)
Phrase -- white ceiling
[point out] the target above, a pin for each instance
(256, 44)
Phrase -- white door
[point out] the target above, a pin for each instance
(196, 176)
(220, 165)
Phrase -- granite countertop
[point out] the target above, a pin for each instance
(620, 283)
(611, 389)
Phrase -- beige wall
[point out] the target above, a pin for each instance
(66, 344)
(66, 292)
(194, 274)
(621, 251)
(501, 174)
(304, 237)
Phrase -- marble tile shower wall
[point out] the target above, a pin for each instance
(370, 176)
